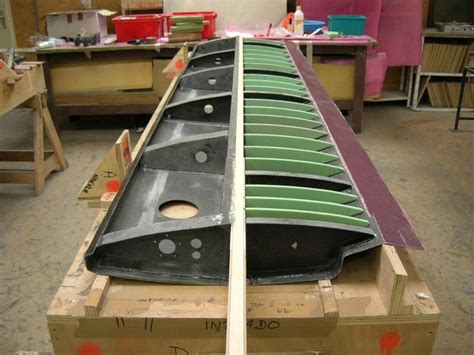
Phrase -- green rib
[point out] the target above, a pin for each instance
(280, 103)
(249, 41)
(296, 192)
(296, 87)
(274, 140)
(288, 153)
(283, 130)
(269, 77)
(292, 166)
(282, 120)
(267, 67)
(313, 216)
(279, 111)
(249, 58)
(266, 50)
(274, 89)
(302, 205)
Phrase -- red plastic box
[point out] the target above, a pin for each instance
(208, 31)
(132, 27)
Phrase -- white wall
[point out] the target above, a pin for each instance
(244, 14)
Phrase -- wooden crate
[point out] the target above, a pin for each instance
(378, 304)
(378, 299)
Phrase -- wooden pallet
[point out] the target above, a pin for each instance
(378, 304)
(378, 300)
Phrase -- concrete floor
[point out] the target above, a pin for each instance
(429, 169)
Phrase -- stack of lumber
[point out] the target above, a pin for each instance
(446, 94)
(444, 58)
(186, 28)
(141, 4)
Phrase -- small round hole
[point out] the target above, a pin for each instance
(196, 255)
(212, 81)
(208, 109)
(201, 157)
(178, 209)
(196, 243)
(167, 246)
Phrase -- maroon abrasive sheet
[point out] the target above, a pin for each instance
(392, 220)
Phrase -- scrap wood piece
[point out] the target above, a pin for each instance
(328, 298)
(96, 295)
(7, 74)
(110, 173)
(178, 63)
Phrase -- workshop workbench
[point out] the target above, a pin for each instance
(123, 100)
(118, 100)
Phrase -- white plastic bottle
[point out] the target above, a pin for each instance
(299, 22)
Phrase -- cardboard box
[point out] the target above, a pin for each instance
(338, 80)
(70, 23)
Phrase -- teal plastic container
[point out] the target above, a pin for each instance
(347, 24)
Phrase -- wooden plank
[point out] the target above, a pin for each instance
(52, 134)
(391, 279)
(21, 155)
(50, 165)
(328, 298)
(17, 177)
(101, 74)
(108, 98)
(96, 295)
(236, 312)
(39, 145)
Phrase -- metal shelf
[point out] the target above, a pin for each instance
(442, 109)
(425, 73)
(389, 95)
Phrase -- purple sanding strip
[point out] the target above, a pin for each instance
(392, 220)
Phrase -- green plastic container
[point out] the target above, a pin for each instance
(347, 24)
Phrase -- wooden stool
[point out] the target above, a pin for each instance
(25, 86)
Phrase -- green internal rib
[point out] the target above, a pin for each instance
(252, 58)
(250, 41)
(269, 67)
(270, 77)
(283, 120)
(297, 214)
(280, 111)
(296, 192)
(302, 205)
(288, 153)
(280, 103)
(266, 50)
(292, 166)
(274, 89)
(291, 86)
(274, 140)
(283, 130)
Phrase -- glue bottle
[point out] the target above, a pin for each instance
(299, 22)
